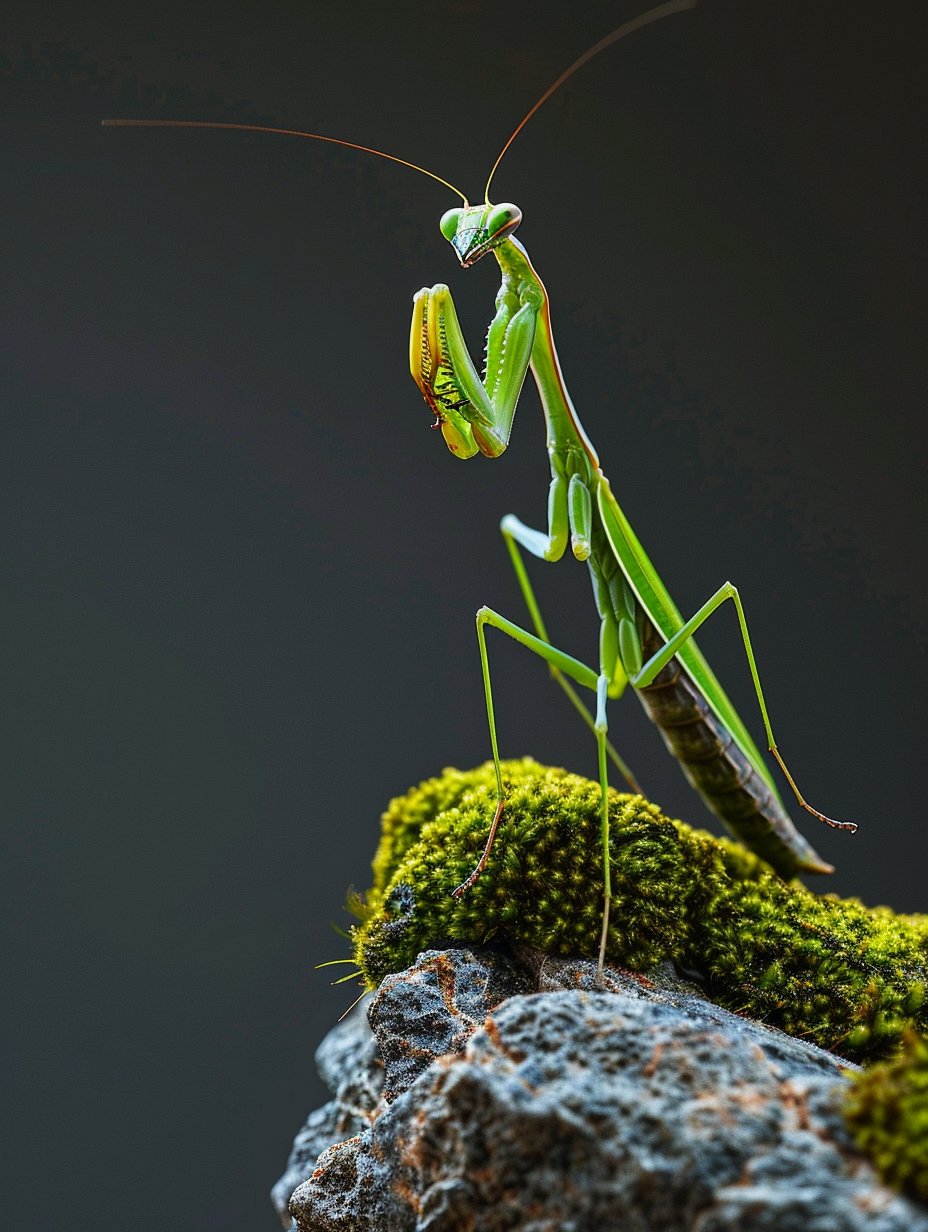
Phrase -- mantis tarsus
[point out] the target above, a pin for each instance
(644, 640)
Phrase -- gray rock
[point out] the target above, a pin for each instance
(348, 1064)
(434, 1008)
(640, 1107)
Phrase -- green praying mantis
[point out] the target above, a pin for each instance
(644, 641)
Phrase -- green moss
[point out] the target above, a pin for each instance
(848, 977)
(887, 1114)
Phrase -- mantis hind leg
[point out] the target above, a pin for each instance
(587, 678)
(658, 661)
(531, 602)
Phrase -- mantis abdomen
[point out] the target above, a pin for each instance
(717, 767)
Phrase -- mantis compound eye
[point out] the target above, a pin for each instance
(503, 219)
(449, 223)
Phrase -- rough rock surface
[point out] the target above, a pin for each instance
(641, 1107)
(431, 1010)
(348, 1064)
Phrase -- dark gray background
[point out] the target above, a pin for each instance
(239, 573)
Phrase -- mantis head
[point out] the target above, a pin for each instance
(474, 230)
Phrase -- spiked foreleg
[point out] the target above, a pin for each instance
(472, 413)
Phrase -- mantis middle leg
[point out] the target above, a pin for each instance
(585, 676)
(510, 528)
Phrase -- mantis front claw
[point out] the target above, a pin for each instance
(473, 413)
(434, 372)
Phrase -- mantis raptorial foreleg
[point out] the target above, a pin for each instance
(472, 413)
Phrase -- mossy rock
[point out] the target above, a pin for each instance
(887, 1113)
(850, 978)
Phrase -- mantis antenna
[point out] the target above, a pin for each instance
(283, 132)
(645, 19)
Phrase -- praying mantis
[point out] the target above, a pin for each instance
(645, 643)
